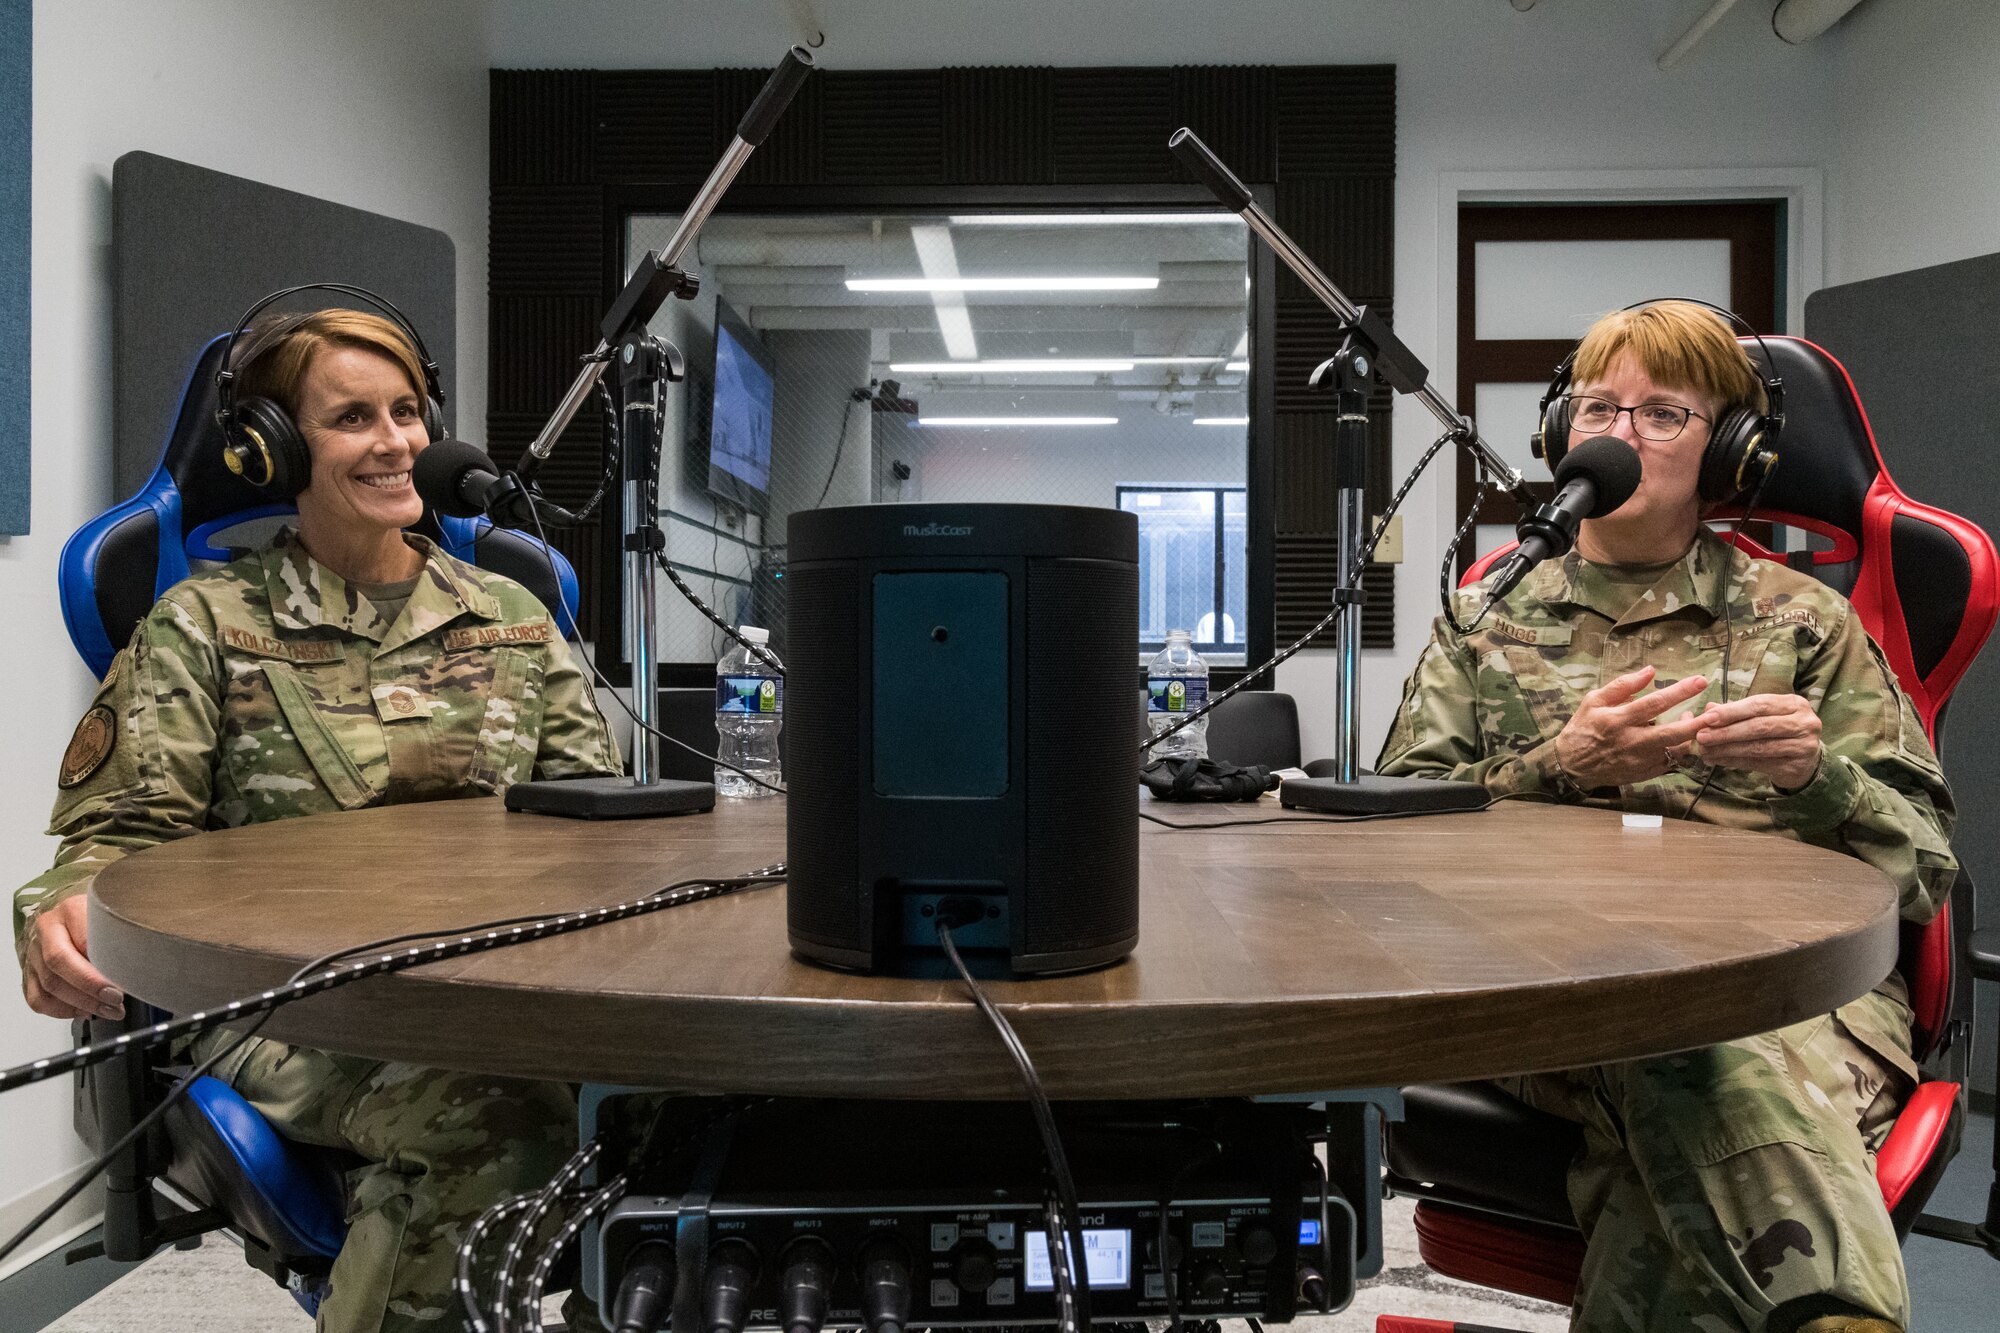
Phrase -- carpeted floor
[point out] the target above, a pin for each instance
(211, 1290)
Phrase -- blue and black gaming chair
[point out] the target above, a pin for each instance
(222, 1159)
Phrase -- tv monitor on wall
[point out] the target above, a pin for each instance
(739, 432)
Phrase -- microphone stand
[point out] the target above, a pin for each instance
(1370, 353)
(645, 364)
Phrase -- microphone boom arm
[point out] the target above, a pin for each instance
(656, 278)
(1398, 366)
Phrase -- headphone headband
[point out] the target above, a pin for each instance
(261, 442)
(225, 378)
(1742, 443)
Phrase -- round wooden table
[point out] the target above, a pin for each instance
(1301, 956)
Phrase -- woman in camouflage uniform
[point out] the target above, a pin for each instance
(347, 665)
(1731, 1187)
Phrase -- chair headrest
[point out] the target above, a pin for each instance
(1827, 458)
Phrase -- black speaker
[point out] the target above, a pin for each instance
(959, 706)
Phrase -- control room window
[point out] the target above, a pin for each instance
(953, 355)
(1191, 564)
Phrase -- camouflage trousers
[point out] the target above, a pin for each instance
(439, 1146)
(1718, 1185)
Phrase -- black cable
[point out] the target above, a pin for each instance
(1213, 1150)
(464, 1282)
(546, 1200)
(840, 442)
(660, 558)
(756, 651)
(576, 637)
(1447, 566)
(1062, 1275)
(322, 975)
(1361, 556)
(1072, 1255)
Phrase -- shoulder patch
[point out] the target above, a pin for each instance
(495, 636)
(263, 645)
(89, 747)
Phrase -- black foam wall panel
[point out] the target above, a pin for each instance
(565, 142)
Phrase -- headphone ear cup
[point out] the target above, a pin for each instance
(434, 420)
(266, 449)
(1724, 464)
(1553, 442)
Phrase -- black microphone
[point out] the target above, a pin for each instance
(1592, 480)
(458, 479)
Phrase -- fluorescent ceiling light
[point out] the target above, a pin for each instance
(1222, 421)
(1050, 367)
(1105, 284)
(1176, 360)
(1090, 219)
(1017, 421)
(1237, 365)
(939, 260)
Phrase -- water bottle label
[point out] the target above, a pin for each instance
(760, 695)
(1175, 694)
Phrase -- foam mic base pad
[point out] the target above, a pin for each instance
(610, 798)
(1372, 794)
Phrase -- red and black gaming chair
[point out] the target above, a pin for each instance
(1489, 1173)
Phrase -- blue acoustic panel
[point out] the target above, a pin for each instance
(192, 248)
(17, 105)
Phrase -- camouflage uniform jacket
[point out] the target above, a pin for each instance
(1486, 707)
(269, 688)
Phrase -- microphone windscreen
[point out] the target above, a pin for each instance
(438, 469)
(1612, 466)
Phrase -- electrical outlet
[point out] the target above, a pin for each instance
(1389, 550)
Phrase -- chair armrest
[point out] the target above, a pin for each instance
(1983, 951)
(1919, 1147)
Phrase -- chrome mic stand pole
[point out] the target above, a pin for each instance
(655, 278)
(645, 363)
(1369, 353)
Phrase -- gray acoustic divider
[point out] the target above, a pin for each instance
(193, 248)
(1924, 350)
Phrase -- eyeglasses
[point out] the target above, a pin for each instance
(1652, 421)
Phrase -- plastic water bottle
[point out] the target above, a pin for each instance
(749, 713)
(1176, 685)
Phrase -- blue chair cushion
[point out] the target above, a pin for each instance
(291, 1196)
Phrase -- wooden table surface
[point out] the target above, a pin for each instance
(1286, 957)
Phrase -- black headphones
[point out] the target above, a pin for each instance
(260, 441)
(1742, 445)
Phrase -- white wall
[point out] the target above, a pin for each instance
(1915, 171)
(373, 103)
(1569, 86)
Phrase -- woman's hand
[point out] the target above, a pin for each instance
(56, 974)
(1773, 734)
(1615, 737)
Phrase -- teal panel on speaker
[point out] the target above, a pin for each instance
(941, 696)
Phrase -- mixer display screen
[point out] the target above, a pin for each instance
(1107, 1260)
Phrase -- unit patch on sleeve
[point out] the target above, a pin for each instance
(496, 636)
(89, 747)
